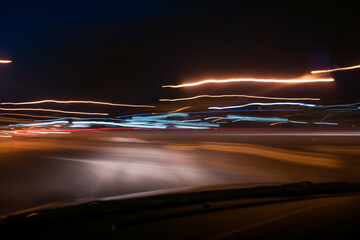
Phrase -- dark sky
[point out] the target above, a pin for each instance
(124, 51)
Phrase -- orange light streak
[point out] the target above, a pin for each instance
(180, 109)
(243, 96)
(335, 69)
(299, 80)
(52, 110)
(27, 115)
(5, 136)
(74, 101)
(7, 119)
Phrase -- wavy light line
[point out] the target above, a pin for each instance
(300, 80)
(40, 124)
(354, 105)
(51, 110)
(244, 96)
(266, 104)
(74, 101)
(335, 69)
(5, 61)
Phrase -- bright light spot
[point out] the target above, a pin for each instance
(5, 61)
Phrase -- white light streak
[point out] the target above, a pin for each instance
(335, 69)
(266, 104)
(298, 80)
(241, 96)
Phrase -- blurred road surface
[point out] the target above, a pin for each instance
(36, 170)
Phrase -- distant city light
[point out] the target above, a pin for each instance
(335, 69)
(298, 80)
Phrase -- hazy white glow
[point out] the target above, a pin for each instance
(335, 69)
(298, 80)
(244, 96)
(51, 110)
(73, 101)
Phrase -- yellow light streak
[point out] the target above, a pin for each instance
(243, 96)
(5, 61)
(299, 80)
(52, 110)
(74, 101)
(335, 69)
(180, 109)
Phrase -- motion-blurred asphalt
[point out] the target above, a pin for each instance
(37, 170)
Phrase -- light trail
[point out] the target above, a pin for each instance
(242, 96)
(38, 132)
(298, 80)
(335, 69)
(326, 123)
(275, 120)
(5, 136)
(242, 110)
(5, 61)
(27, 115)
(352, 106)
(75, 101)
(39, 124)
(52, 110)
(180, 109)
(130, 124)
(7, 119)
(266, 104)
(159, 116)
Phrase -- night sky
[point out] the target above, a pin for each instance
(124, 51)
